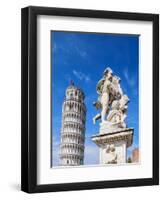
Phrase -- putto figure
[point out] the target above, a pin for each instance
(111, 101)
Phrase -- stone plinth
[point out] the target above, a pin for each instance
(105, 126)
(113, 145)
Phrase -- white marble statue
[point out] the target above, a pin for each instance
(103, 89)
(111, 101)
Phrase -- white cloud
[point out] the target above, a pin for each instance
(54, 47)
(82, 53)
(91, 155)
(130, 80)
(55, 151)
(55, 157)
(81, 76)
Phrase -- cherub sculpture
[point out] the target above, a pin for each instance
(118, 111)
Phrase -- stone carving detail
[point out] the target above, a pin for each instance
(112, 155)
(111, 101)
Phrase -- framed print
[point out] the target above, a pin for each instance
(90, 99)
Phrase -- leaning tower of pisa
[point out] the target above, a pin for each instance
(73, 127)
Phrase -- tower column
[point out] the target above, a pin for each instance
(73, 127)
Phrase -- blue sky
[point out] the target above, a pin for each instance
(82, 57)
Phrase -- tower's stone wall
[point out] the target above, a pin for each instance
(73, 127)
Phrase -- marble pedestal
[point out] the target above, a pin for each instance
(113, 144)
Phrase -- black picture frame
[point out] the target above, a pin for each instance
(29, 99)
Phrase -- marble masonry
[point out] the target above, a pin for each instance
(73, 127)
(114, 136)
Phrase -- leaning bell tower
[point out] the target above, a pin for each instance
(73, 127)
